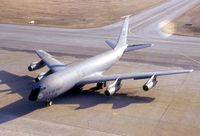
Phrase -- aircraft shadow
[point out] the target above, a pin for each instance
(22, 86)
(92, 97)
(85, 99)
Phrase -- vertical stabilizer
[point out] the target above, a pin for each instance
(122, 41)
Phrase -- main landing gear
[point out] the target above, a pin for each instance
(100, 85)
(48, 103)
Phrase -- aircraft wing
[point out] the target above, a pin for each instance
(104, 78)
(50, 61)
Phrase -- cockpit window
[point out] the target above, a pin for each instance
(42, 88)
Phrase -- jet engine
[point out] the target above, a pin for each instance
(36, 65)
(39, 77)
(42, 75)
(113, 88)
(150, 83)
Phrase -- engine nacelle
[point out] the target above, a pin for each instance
(36, 65)
(150, 83)
(39, 77)
(42, 75)
(113, 88)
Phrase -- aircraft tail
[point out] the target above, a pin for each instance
(122, 40)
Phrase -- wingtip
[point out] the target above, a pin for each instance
(191, 70)
(126, 16)
(152, 45)
(39, 50)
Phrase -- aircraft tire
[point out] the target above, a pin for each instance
(49, 103)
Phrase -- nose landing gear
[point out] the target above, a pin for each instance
(48, 103)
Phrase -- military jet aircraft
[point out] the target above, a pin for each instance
(61, 78)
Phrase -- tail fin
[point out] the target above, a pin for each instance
(122, 41)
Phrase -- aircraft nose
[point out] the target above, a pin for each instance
(34, 94)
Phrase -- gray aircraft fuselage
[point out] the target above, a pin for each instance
(62, 81)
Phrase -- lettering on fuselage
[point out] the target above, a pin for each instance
(51, 93)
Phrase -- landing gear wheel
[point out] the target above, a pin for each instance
(49, 103)
(104, 84)
(37, 80)
(99, 85)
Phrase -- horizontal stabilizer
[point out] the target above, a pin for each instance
(137, 47)
(111, 44)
